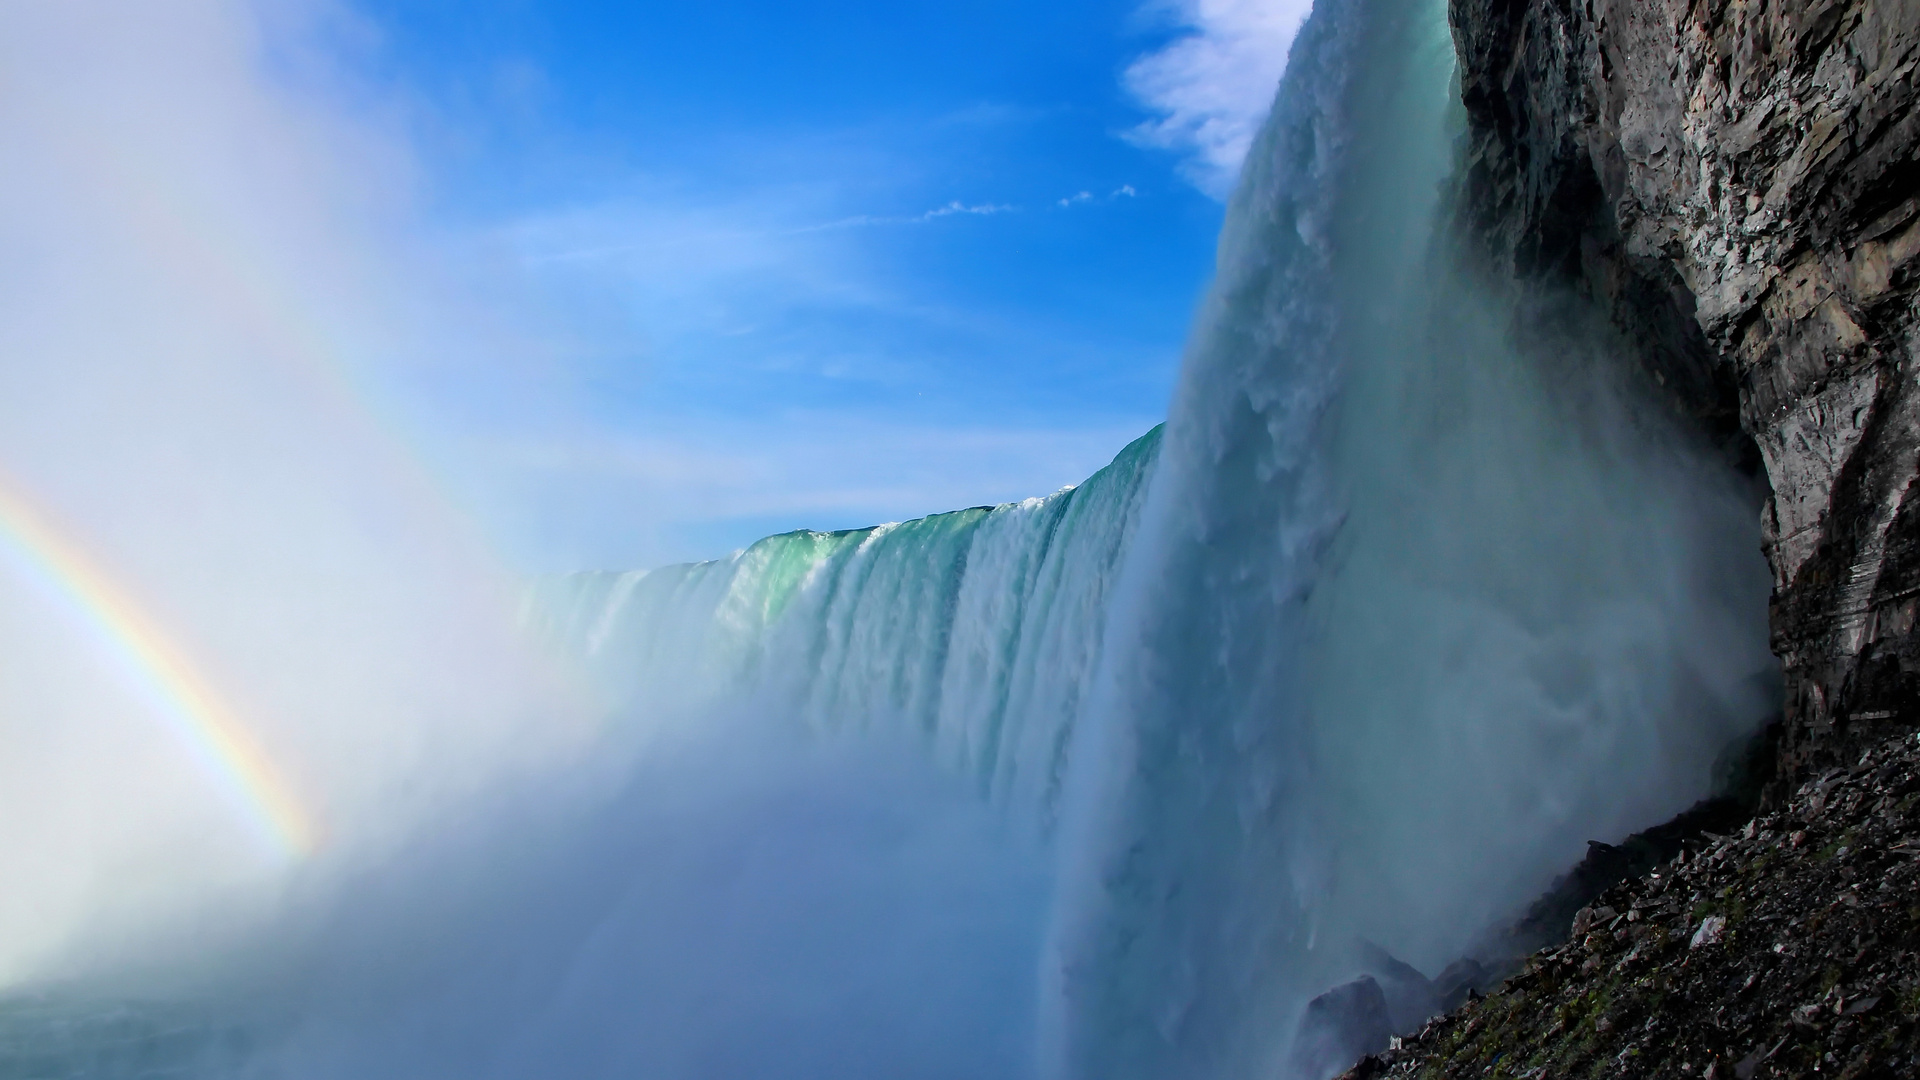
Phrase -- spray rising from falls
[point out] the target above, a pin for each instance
(1399, 608)
(1407, 608)
(1415, 609)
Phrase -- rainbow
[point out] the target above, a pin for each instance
(191, 707)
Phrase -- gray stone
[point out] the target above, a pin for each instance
(1409, 993)
(1340, 1027)
(1736, 183)
(1461, 978)
(1712, 929)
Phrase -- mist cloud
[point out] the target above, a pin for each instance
(206, 262)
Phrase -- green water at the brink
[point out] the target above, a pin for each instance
(977, 630)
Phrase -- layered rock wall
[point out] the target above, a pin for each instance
(1735, 183)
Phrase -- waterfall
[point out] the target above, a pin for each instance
(975, 632)
(1401, 609)
(1419, 588)
(1418, 602)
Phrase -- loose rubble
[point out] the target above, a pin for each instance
(1791, 948)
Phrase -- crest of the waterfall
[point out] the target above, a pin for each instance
(972, 635)
(1416, 606)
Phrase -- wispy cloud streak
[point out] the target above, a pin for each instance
(1210, 87)
(952, 209)
(956, 208)
(1124, 191)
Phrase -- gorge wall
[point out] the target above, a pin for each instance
(1735, 183)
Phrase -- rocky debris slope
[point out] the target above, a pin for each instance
(1390, 997)
(1789, 949)
(1736, 183)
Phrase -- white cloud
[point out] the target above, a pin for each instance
(957, 207)
(1124, 191)
(1210, 88)
(938, 212)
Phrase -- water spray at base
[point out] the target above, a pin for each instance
(1399, 609)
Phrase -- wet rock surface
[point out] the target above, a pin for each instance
(1736, 185)
(1790, 948)
(1347, 1022)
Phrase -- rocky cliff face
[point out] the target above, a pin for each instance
(1735, 183)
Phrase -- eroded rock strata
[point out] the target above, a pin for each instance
(1735, 184)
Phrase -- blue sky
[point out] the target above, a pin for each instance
(763, 265)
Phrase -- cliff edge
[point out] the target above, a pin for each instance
(1735, 184)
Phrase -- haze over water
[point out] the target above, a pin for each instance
(306, 778)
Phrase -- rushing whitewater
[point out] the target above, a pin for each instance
(1397, 613)
(1397, 610)
(975, 631)
(1413, 610)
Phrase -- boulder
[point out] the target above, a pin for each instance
(1340, 1027)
